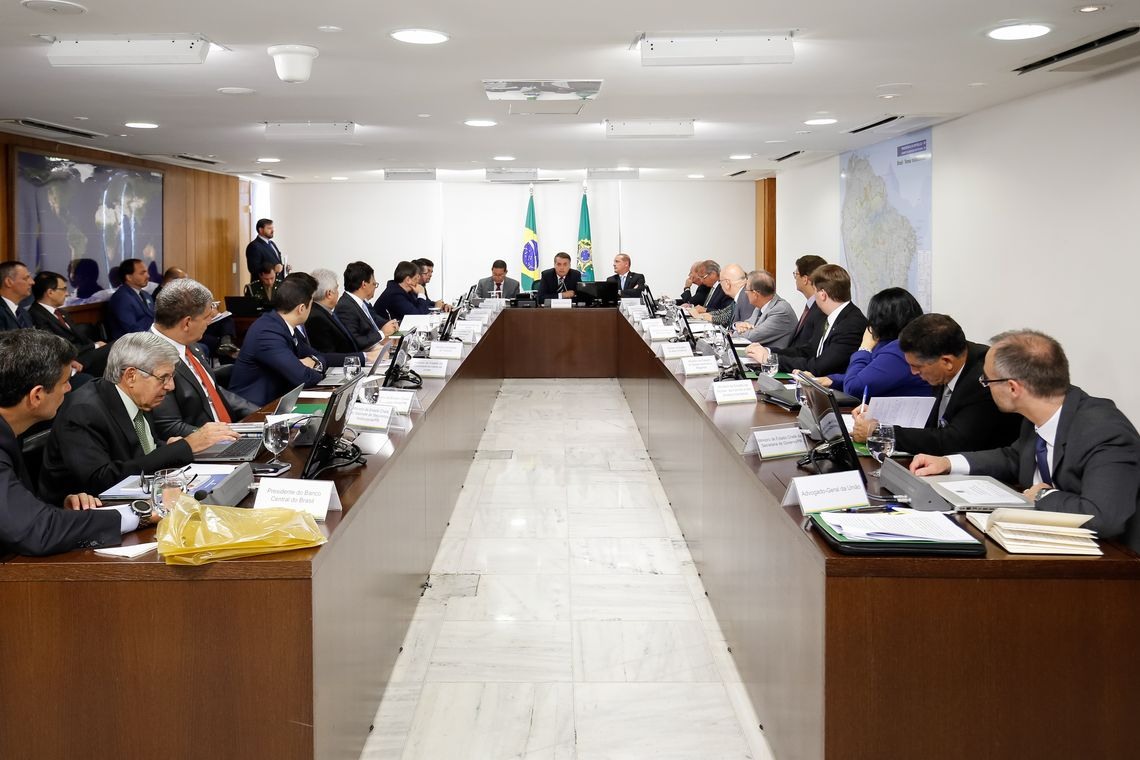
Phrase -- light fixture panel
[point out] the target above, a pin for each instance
(712, 49)
(172, 49)
(315, 129)
(650, 128)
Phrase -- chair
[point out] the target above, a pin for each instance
(222, 375)
(32, 446)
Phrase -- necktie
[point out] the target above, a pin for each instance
(143, 432)
(22, 317)
(498, 290)
(371, 321)
(803, 318)
(276, 250)
(62, 321)
(212, 394)
(622, 278)
(1042, 451)
(142, 297)
(823, 338)
(712, 290)
(561, 284)
(945, 402)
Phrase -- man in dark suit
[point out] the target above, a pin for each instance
(630, 284)
(35, 367)
(262, 252)
(399, 298)
(498, 285)
(15, 286)
(715, 298)
(810, 317)
(964, 417)
(182, 312)
(327, 333)
(105, 431)
(1075, 454)
(836, 338)
(131, 308)
(50, 291)
(354, 310)
(559, 282)
(696, 276)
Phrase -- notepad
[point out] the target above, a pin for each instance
(1024, 531)
(127, 552)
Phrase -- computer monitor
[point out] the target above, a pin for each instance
(650, 304)
(380, 356)
(837, 446)
(399, 359)
(601, 293)
(324, 453)
(687, 330)
(449, 323)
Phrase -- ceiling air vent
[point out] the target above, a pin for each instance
(55, 129)
(786, 156)
(1105, 55)
(737, 174)
(873, 125)
(271, 175)
(409, 175)
(197, 159)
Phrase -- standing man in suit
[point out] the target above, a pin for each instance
(715, 298)
(1076, 453)
(105, 431)
(15, 285)
(354, 309)
(773, 319)
(810, 317)
(182, 313)
(559, 282)
(836, 338)
(262, 252)
(399, 297)
(630, 284)
(35, 368)
(498, 285)
(50, 291)
(964, 416)
(327, 333)
(131, 308)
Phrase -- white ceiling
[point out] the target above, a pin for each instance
(844, 51)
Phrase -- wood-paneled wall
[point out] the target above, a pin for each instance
(766, 225)
(202, 231)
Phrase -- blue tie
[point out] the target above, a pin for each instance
(1043, 461)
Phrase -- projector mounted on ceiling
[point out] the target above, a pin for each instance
(714, 48)
(544, 97)
(142, 50)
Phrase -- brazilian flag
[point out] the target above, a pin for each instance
(585, 245)
(530, 271)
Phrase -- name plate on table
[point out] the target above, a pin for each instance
(649, 324)
(638, 313)
(316, 497)
(419, 321)
(494, 304)
(561, 303)
(479, 318)
(400, 400)
(774, 443)
(465, 333)
(435, 368)
(661, 333)
(820, 493)
(370, 416)
(676, 350)
(445, 349)
(699, 365)
(699, 326)
(630, 302)
(468, 324)
(733, 392)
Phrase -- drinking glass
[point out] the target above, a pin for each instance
(165, 488)
(351, 367)
(771, 365)
(369, 391)
(881, 444)
(276, 438)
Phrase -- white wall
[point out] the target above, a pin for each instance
(1035, 209)
(463, 227)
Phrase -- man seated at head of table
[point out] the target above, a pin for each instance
(735, 306)
(561, 281)
(836, 337)
(498, 285)
(964, 416)
(35, 368)
(630, 284)
(399, 298)
(105, 430)
(1076, 453)
(772, 320)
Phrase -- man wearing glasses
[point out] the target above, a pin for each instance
(811, 316)
(105, 432)
(1075, 454)
(734, 308)
(50, 291)
(773, 320)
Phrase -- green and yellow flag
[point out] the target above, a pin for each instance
(530, 271)
(585, 245)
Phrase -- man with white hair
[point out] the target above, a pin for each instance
(732, 282)
(105, 432)
(774, 320)
(327, 333)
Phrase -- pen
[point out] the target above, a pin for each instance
(872, 508)
(863, 406)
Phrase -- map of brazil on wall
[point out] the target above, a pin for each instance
(885, 210)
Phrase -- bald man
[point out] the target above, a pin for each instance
(732, 282)
(630, 284)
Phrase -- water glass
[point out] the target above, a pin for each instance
(771, 365)
(369, 391)
(276, 438)
(351, 367)
(881, 444)
(165, 488)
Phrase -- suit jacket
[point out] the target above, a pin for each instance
(774, 325)
(327, 358)
(548, 283)
(9, 321)
(486, 288)
(397, 303)
(93, 445)
(841, 341)
(94, 360)
(126, 312)
(256, 291)
(802, 336)
(715, 299)
(634, 284)
(259, 253)
(973, 421)
(328, 333)
(187, 408)
(1094, 465)
(696, 297)
(269, 364)
(29, 525)
(355, 321)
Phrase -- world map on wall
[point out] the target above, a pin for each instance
(885, 217)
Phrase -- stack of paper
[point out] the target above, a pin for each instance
(1024, 531)
(896, 526)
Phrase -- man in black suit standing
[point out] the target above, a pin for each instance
(105, 430)
(630, 284)
(559, 282)
(810, 317)
(50, 291)
(182, 312)
(354, 309)
(327, 333)
(15, 285)
(35, 368)
(836, 338)
(262, 251)
(964, 416)
(1076, 453)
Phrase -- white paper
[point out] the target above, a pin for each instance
(629, 302)
(271, 419)
(698, 326)
(371, 443)
(903, 526)
(316, 497)
(369, 417)
(220, 316)
(833, 490)
(128, 552)
(734, 392)
(904, 411)
(561, 303)
(323, 395)
(445, 350)
(130, 488)
(646, 324)
(411, 321)
(400, 400)
(981, 492)
(436, 368)
(779, 442)
(699, 365)
(676, 350)
(657, 334)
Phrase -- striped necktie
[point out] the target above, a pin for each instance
(143, 431)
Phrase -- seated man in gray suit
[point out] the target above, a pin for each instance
(774, 320)
(498, 285)
(1075, 454)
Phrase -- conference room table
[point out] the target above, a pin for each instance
(844, 657)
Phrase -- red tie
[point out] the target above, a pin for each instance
(208, 383)
(803, 318)
(62, 321)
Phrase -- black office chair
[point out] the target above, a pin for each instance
(32, 445)
(222, 375)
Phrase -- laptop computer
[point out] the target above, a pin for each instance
(246, 448)
(245, 306)
(951, 493)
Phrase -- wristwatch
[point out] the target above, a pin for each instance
(1042, 494)
(141, 509)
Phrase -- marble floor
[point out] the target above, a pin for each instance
(565, 618)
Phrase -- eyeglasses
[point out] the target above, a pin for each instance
(163, 380)
(986, 382)
(215, 304)
(795, 273)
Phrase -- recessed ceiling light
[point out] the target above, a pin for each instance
(820, 122)
(976, 84)
(740, 156)
(696, 176)
(503, 158)
(338, 179)
(623, 168)
(420, 36)
(480, 123)
(80, 118)
(1018, 32)
(329, 28)
(235, 91)
(1090, 8)
(269, 160)
(424, 115)
(122, 135)
(773, 142)
(889, 95)
(141, 125)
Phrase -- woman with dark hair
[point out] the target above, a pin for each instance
(879, 367)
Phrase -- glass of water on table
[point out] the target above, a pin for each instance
(881, 444)
(351, 367)
(771, 365)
